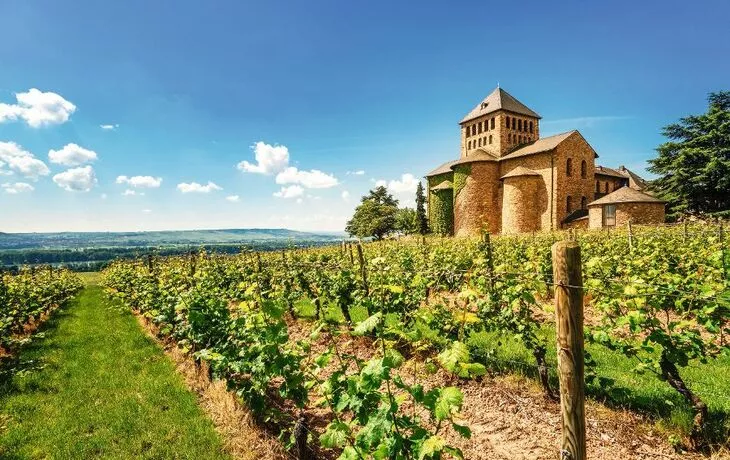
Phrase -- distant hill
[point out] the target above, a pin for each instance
(160, 238)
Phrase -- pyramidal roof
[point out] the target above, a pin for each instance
(626, 195)
(499, 99)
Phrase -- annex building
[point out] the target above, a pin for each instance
(508, 179)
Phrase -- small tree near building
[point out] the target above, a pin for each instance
(421, 209)
(375, 215)
(406, 221)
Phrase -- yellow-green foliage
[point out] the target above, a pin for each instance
(461, 172)
(442, 211)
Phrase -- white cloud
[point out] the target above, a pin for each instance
(310, 179)
(109, 127)
(299, 201)
(270, 159)
(76, 179)
(21, 161)
(233, 198)
(147, 211)
(37, 108)
(359, 172)
(72, 155)
(406, 184)
(103, 196)
(140, 181)
(346, 195)
(292, 191)
(18, 187)
(194, 187)
(130, 192)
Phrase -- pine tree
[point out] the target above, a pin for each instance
(694, 166)
(421, 209)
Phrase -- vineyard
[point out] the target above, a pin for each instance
(362, 351)
(26, 301)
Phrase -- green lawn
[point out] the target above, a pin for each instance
(100, 388)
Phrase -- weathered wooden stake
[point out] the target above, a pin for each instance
(490, 261)
(569, 322)
(363, 269)
(631, 236)
(352, 257)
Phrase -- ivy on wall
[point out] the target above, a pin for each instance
(442, 211)
(461, 172)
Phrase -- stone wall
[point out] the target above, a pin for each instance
(541, 164)
(519, 214)
(603, 183)
(504, 138)
(579, 223)
(575, 185)
(476, 198)
(638, 213)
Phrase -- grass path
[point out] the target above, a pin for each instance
(105, 391)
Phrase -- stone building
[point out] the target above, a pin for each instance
(624, 205)
(508, 179)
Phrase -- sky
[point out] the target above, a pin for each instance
(174, 114)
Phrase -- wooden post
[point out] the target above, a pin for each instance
(569, 322)
(352, 257)
(490, 261)
(363, 269)
(631, 236)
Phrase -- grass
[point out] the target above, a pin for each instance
(101, 388)
(644, 393)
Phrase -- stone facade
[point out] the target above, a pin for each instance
(637, 213)
(509, 179)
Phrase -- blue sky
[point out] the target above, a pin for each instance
(188, 90)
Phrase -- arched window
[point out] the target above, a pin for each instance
(598, 186)
(583, 202)
(569, 167)
(583, 167)
(491, 123)
(514, 123)
(568, 204)
(507, 122)
(490, 137)
(531, 127)
(479, 127)
(519, 125)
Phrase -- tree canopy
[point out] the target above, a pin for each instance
(694, 165)
(375, 215)
(406, 221)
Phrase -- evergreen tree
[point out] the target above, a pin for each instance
(375, 215)
(694, 166)
(421, 209)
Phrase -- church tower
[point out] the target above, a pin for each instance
(497, 125)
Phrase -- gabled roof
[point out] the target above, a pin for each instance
(625, 195)
(519, 172)
(443, 169)
(635, 181)
(445, 185)
(544, 144)
(604, 171)
(477, 155)
(499, 99)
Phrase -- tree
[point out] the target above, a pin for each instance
(421, 209)
(694, 166)
(406, 221)
(375, 215)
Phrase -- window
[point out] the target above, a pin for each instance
(583, 171)
(479, 127)
(480, 142)
(519, 125)
(473, 130)
(583, 202)
(467, 133)
(514, 123)
(569, 167)
(507, 122)
(568, 204)
(490, 137)
(491, 123)
(598, 186)
(609, 215)
(531, 127)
